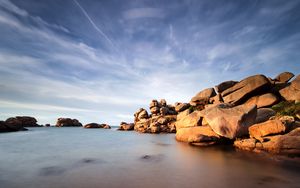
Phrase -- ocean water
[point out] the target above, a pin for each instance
(77, 157)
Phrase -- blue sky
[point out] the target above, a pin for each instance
(99, 61)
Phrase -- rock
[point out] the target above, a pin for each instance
(3, 127)
(200, 134)
(292, 91)
(230, 122)
(202, 96)
(154, 103)
(164, 111)
(279, 144)
(28, 121)
(181, 107)
(225, 85)
(93, 125)
(126, 126)
(284, 77)
(183, 114)
(264, 114)
(191, 120)
(47, 125)
(216, 99)
(155, 110)
(269, 127)
(13, 124)
(250, 86)
(67, 122)
(106, 126)
(264, 100)
(163, 102)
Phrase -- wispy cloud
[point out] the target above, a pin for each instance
(137, 13)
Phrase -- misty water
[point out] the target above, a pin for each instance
(77, 157)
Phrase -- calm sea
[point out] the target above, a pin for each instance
(77, 157)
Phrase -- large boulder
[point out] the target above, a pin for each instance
(246, 88)
(96, 125)
(67, 122)
(288, 144)
(264, 114)
(264, 100)
(126, 126)
(28, 121)
(284, 77)
(230, 122)
(269, 127)
(203, 96)
(225, 85)
(179, 107)
(203, 135)
(189, 120)
(292, 91)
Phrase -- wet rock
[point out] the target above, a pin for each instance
(250, 86)
(67, 122)
(230, 122)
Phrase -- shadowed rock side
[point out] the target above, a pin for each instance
(267, 108)
(96, 125)
(18, 123)
(68, 122)
(126, 126)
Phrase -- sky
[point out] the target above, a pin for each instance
(101, 60)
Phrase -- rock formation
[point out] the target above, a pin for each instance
(126, 126)
(96, 125)
(67, 122)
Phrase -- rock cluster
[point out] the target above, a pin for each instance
(96, 125)
(67, 122)
(18, 123)
(126, 126)
(241, 113)
(161, 119)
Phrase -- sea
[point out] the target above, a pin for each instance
(51, 157)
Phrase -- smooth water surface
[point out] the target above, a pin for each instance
(77, 157)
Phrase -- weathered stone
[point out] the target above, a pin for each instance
(200, 134)
(250, 86)
(225, 85)
(216, 99)
(264, 100)
(105, 126)
(126, 126)
(292, 91)
(182, 106)
(93, 125)
(264, 114)
(163, 102)
(164, 111)
(154, 103)
(230, 122)
(203, 95)
(67, 122)
(155, 110)
(13, 124)
(190, 120)
(269, 127)
(284, 77)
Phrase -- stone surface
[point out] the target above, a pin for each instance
(200, 134)
(191, 120)
(181, 107)
(284, 77)
(96, 125)
(67, 122)
(225, 85)
(292, 91)
(230, 122)
(203, 95)
(246, 88)
(126, 126)
(264, 114)
(264, 100)
(269, 127)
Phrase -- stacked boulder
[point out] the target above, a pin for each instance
(234, 109)
(161, 120)
(18, 123)
(67, 122)
(126, 126)
(96, 125)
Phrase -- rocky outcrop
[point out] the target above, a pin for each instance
(96, 125)
(126, 126)
(250, 86)
(292, 91)
(264, 114)
(161, 120)
(201, 135)
(11, 125)
(203, 97)
(230, 122)
(67, 122)
(225, 85)
(190, 120)
(179, 107)
(269, 127)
